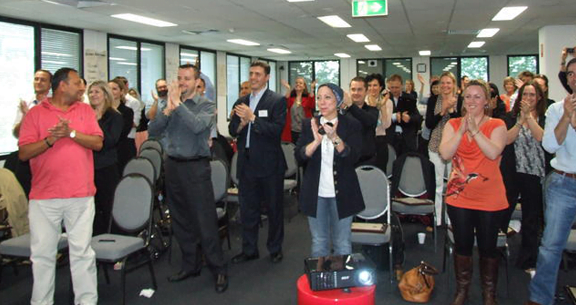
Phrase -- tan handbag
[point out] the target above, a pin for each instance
(417, 284)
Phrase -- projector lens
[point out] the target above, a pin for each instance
(365, 278)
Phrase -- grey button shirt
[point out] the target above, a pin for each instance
(186, 130)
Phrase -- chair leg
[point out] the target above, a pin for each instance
(391, 264)
(151, 268)
(123, 280)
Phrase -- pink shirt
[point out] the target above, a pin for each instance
(67, 169)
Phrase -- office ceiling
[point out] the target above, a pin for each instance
(442, 26)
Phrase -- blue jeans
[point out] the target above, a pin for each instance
(326, 222)
(559, 215)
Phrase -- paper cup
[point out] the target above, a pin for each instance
(421, 238)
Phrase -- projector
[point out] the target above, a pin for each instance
(339, 271)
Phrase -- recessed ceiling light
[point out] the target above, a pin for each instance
(243, 42)
(373, 47)
(396, 63)
(127, 63)
(476, 44)
(144, 20)
(425, 53)
(487, 33)
(117, 58)
(361, 62)
(279, 51)
(53, 62)
(127, 48)
(334, 21)
(453, 63)
(342, 55)
(358, 37)
(509, 13)
(189, 54)
(56, 54)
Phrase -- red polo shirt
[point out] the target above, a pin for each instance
(67, 169)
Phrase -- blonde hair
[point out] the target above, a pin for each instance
(484, 86)
(108, 97)
(451, 76)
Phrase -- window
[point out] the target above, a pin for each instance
(60, 49)
(272, 82)
(141, 62)
(400, 66)
(321, 71)
(237, 71)
(439, 65)
(519, 63)
(24, 48)
(17, 66)
(365, 67)
(188, 56)
(207, 64)
(474, 67)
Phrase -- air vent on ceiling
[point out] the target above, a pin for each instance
(462, 32)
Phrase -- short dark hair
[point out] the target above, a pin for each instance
(376, 76)
(156, 83)
(123, 79)
(571, 62)
(526, 74)
(359, 79)
(47, 72)
(203, 81)
(191, 66)
(61, 76)
(265, 66)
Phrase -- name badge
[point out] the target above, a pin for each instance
(263, 113)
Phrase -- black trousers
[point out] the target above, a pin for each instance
(106, 179)
(486, 224)
(381, 153)
(252, 192)
(194, 221)
(529, 187)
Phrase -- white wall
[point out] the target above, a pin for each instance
(552, 39)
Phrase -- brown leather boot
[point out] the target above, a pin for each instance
(489, 279)
(463, 270)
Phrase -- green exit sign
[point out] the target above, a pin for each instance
(369, 8)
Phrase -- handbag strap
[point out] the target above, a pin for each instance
(426, 269)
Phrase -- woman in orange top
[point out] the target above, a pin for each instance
(475, 194)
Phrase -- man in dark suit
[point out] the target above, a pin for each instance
(367, 116)
(406, 121)
(258, 121)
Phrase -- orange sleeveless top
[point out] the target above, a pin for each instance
(475, 181)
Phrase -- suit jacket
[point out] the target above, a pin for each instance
(349, 198)
(368, 118)
(265, 144)
(410, 129)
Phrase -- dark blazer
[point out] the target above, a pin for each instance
(410, 129)
(265, 142)
(368, 118)
(348, 194)
(433, 119)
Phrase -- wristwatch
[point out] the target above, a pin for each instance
(337, 142)
(72, 134)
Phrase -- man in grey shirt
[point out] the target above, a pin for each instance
(184, 125)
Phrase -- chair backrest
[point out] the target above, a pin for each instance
(133, 201)
(391, 159)
(292, 167)
(154, 144)
(412, 182)
(220, 179)
(155, 157)
(375, 191)
(234, 168)
(140, 165)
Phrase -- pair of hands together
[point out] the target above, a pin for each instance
(469, 125)
(61, 129)
(570, 109)
(174, 98)
(330, 131)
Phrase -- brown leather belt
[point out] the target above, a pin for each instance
(573, 176)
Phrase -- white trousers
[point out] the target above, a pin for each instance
(439, 167)
(46, 218)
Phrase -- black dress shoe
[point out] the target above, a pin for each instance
(243, 257)
(276, 257)
(182, 275)
(221, 283)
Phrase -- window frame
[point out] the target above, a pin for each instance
(239, 75)
(314, 68)
(459, 68)
(138, 42)
(523, 55)
(200, 50)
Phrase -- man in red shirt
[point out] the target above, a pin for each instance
(58, 137)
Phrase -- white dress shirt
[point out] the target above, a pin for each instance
(565, 159)
(326, 184)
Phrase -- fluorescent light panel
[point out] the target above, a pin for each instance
(117, 58)
(342, 55)
(144, 20)
(487, 33)
(279, 51)
(509, 13)
(476, 44)
(189, 54)
(243, 42)
(425, 53)
(56, 54)
(334, 21)
(358, 37)
(373, 47)
(127, 63)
